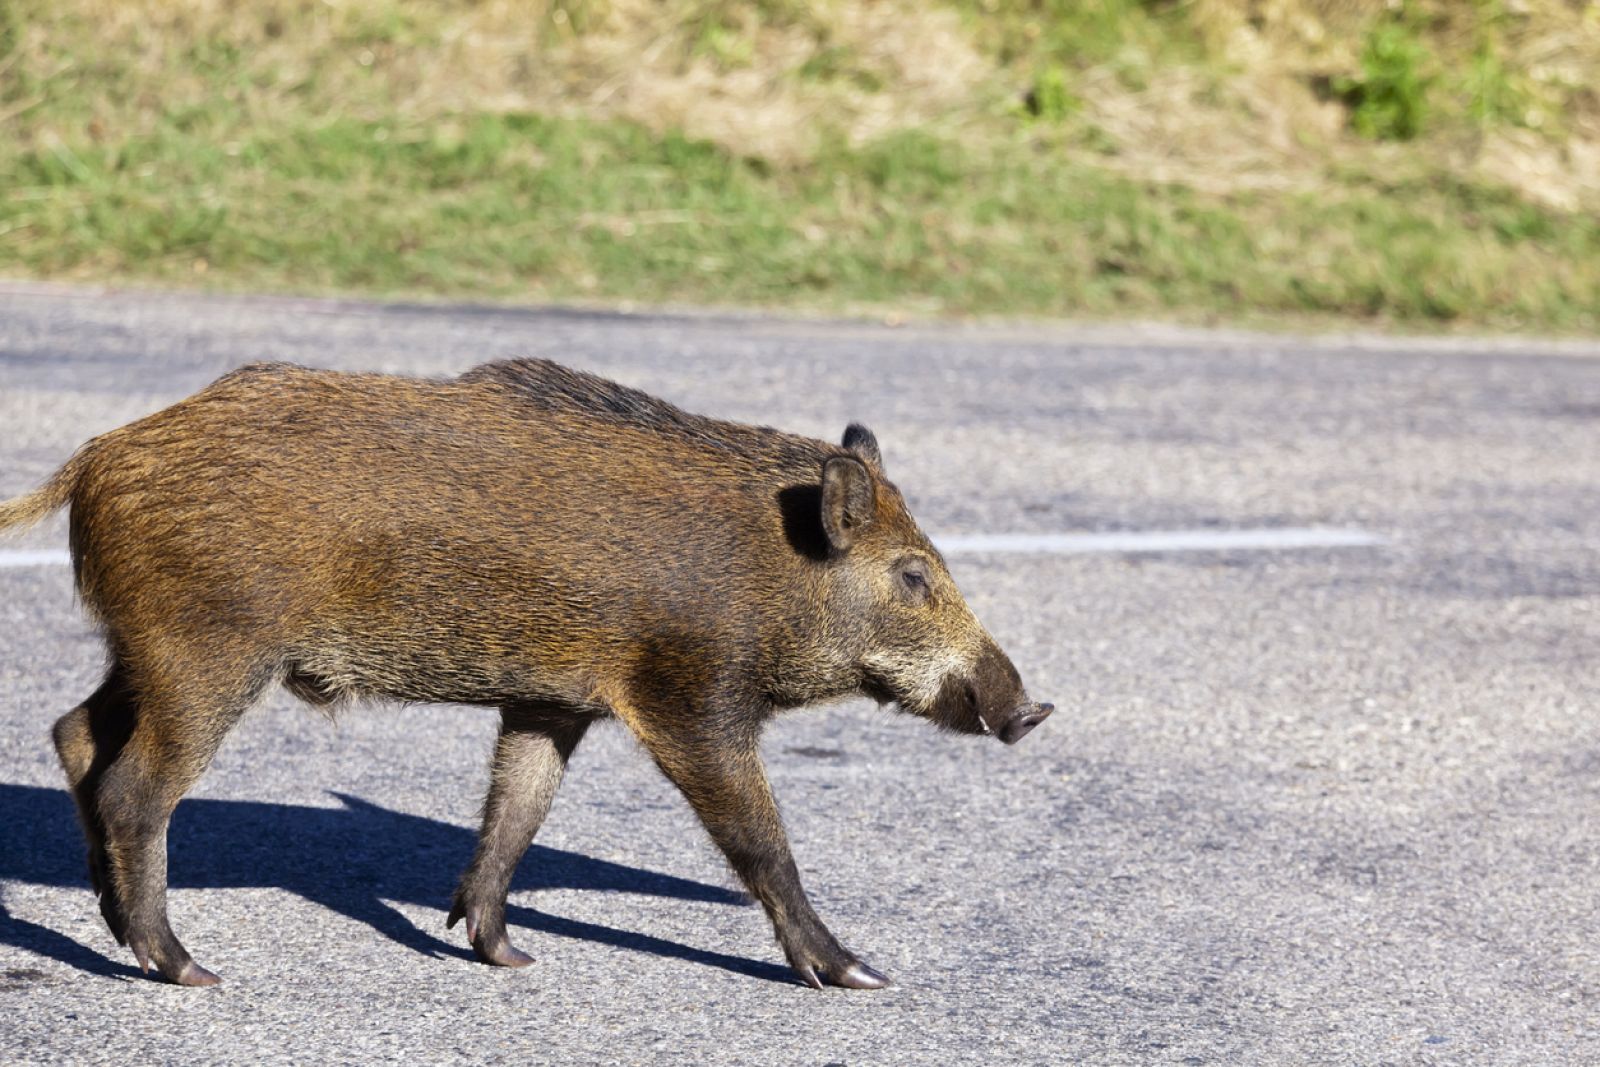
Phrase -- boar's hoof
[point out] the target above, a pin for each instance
(852, 975)
(501, 953)
(174, 964)
(489, 941)
(859, 976)
(194, 974)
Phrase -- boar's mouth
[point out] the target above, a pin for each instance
(953, 708)
(956, 706)
(959, 706)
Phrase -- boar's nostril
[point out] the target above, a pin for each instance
(1019, 725)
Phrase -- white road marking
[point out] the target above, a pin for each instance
(1257, 540)
(34, 557)
(1062, 544)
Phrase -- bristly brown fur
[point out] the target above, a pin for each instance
(31, 508)
(526, 537)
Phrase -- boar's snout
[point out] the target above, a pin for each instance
(1022, 720)
(996, 702)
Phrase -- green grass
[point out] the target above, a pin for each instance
(529, 207)
(208, 159)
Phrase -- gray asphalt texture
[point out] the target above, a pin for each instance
(1320, 806)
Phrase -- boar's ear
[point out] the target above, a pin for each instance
(849, 500)
(860, 440)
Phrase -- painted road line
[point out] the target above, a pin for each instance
(34, 557)
(1258, 540)
(1064, 544)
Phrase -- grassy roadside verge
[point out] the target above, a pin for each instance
(214, 189)
(528, 207)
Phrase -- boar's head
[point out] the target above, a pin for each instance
(895, 607)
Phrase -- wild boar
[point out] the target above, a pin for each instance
(525, 537)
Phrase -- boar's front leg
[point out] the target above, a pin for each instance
(530, 758)
(724, 780)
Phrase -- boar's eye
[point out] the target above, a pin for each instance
(914, 580)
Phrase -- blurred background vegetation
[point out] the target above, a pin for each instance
(1418, 163)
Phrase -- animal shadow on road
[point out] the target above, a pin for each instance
(353, 859)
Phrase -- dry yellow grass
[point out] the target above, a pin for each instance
(1050, 156)
(1546, 62)
(765, 85)
(775, 79)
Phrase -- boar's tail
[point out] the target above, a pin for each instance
(52, 495)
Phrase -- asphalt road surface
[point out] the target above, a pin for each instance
(1298, 805)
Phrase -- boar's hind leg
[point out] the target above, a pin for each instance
(726, 784)
(87, 739)
(529, 760)
(175, 732)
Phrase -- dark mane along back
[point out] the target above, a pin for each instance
(549, 386)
